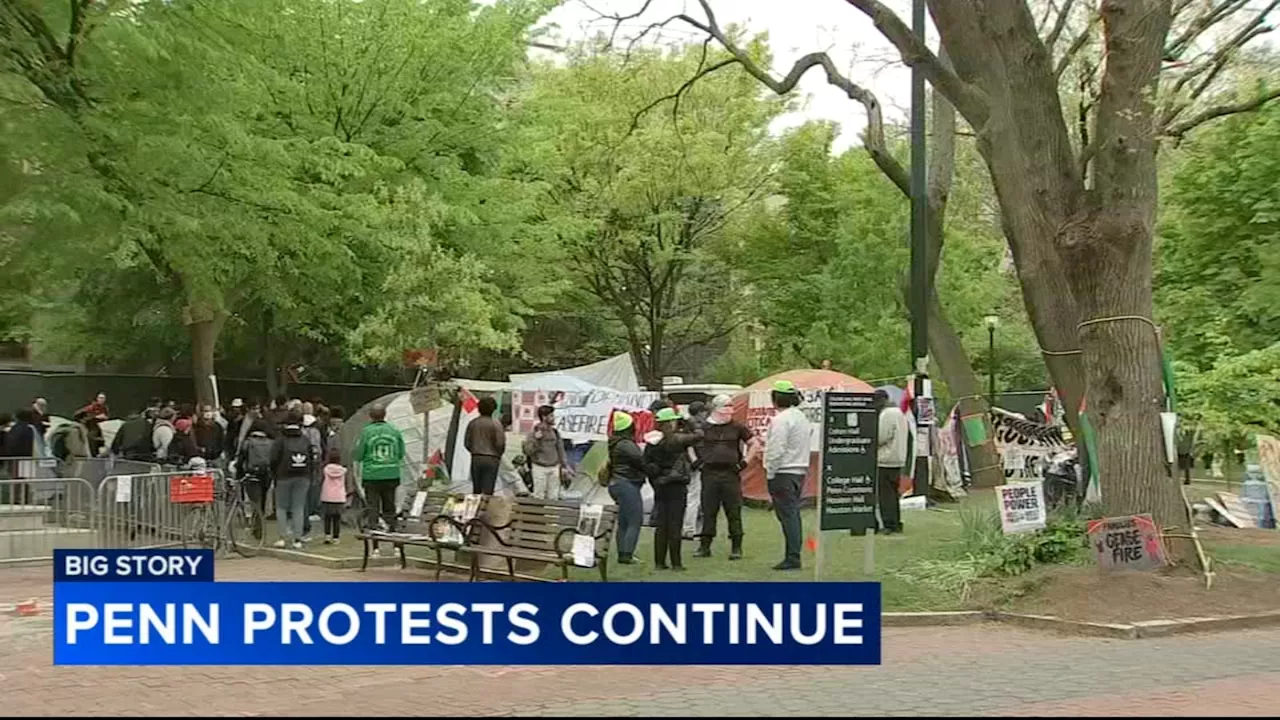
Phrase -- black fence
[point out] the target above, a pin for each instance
(67, 392)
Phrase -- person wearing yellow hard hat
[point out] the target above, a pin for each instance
(786, 464)
(626, 476)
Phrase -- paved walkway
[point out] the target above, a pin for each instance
(989, 670)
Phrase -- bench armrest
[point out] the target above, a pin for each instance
(493, 530)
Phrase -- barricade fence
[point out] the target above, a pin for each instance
(137, 510)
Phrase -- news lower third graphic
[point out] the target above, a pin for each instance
(162, 607)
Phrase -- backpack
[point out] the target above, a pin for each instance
(58, 445)
(257, 456)
(299, 457)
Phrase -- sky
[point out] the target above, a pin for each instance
(795, 28)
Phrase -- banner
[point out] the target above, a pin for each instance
(162, 611)
(1023, 438)
(1022, 507)
(760, 412)
(580, 416)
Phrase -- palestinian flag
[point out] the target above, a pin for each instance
(1087, 434)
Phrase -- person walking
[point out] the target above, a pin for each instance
(1187, 436)
(293, 461)
(486, 440)
(668, 465)
(378, 455)
(544, 451)
(312, 433)
(786, 463)
(891, 456)
(723, 452)
(209, 435)
(333, 496)
(253, 465)
(626, 476)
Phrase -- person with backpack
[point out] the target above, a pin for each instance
(162, 432)
(377, 457)
(723, 454)
(669, 468)
(312, 433)
(70, 441)
(253, 465)
(133, 438)
(183, 446)
(294, 462)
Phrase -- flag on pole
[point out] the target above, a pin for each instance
(460, 472)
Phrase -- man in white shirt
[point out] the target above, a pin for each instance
(891, 457)
(786, 463)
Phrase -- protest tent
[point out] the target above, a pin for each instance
(754, 407)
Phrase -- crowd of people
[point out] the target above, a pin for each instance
(709, 450)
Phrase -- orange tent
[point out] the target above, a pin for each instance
(754, 407)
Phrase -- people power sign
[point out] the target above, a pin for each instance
(1021, 506)
(1127, 543)
(847, 493)
(580, 416)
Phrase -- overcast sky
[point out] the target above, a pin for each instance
(795, 27)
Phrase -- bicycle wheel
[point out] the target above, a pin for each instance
(245, 531)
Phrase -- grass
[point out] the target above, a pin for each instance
(907, 565)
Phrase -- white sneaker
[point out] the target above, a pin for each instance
(315, 518)
(297, 544)
(377, 553)
(278, 544)
(304, 539)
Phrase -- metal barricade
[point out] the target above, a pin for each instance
(137, 511)
(40, 515)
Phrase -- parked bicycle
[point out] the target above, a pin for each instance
(232, 523)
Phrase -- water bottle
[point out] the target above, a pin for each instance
(1255, 495)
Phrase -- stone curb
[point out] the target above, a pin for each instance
(931, 619)
(1070, 627)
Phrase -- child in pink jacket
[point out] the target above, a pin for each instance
(333, 495)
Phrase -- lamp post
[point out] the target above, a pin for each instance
(992, 321)
(919, 275)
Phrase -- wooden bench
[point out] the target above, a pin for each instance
(428, 530)
(542, 531)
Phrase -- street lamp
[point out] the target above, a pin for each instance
(992, 321)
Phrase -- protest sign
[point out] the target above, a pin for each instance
(1022, 506)
(1127, 543)
(1269, 459)
(760, 412)
(584, 539)
(847, 490)
(580, 416)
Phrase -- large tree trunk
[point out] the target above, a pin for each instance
(204, 322)
(1108, 251)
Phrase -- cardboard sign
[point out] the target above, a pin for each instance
(847, 487)
(1127, 543)
(1269, 459)
(1022, 506)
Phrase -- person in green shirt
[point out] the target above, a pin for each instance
(378, 456)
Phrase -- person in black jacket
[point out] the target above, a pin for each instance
(133, 438)
(669, 469)
(292, 460)
(723, 455)
(626, 475)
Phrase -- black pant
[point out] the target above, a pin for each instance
(669, 501)
(1185, 461)
(721, 487)
(785, 490)
(887, 497)
(382, 501)
(332, 514)
(484, 474)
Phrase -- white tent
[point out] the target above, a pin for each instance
(616, 373)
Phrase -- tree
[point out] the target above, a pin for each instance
(648, 202)
(1079, 219)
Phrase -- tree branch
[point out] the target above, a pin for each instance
(968, 99)
(1063, 16)
(1223, 110)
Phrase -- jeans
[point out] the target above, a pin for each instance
(484, 474)
(291, 506)
(313, 502)
(626, 494)
(785, 489)
(721, 487)
(667, 535)
(382, 501)
(887, 497)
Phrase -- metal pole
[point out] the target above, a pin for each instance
(919, 272)
(991, 365)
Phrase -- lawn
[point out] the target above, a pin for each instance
(930, 534)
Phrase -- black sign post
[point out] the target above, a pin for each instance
(847, 491)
